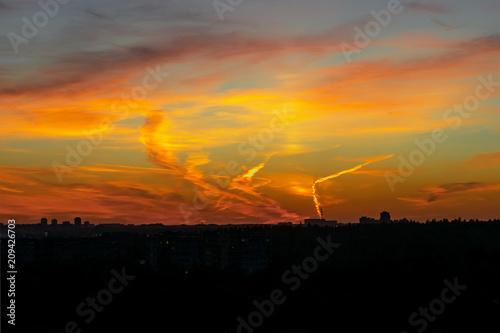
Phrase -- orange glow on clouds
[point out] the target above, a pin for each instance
(173, 148)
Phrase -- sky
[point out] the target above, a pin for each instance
(253, 111)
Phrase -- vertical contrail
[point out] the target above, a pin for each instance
(315, 196)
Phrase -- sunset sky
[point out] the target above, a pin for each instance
(138, 111)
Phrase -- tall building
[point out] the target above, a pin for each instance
(43, 221)
(54, 222)
(78, 221)
(385, 217)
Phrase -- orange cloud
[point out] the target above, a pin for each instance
(484, 161)
(436, 193)
(240, 196)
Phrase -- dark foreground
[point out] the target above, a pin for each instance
(442, 277)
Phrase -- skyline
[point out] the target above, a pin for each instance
(266, 112)
(321, 222)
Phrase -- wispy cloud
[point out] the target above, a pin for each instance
(435, 193)
(430, 7)
(484, 161)
(444, 25)
(239, 195)
(224, 79)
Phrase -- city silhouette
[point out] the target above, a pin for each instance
(223, 274)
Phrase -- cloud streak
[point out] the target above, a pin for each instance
(240, 195)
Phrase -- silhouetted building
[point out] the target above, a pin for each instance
(231, 250)
(186, 250)
(86, 223)
(78, 221)
(66, 223)
(385, 217)
(43, 221)
(320, 222)
(285, 223)
(254, 253)
(366, 220)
